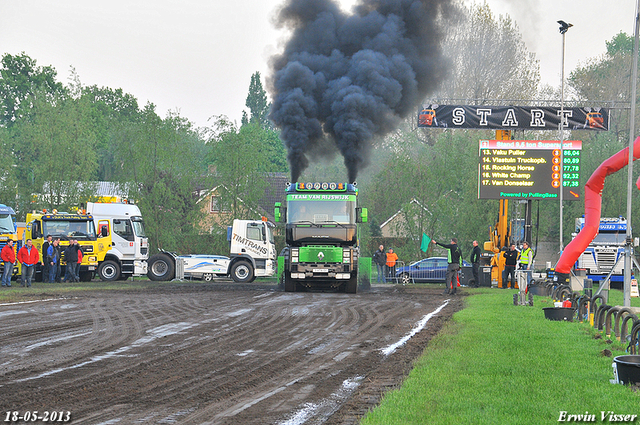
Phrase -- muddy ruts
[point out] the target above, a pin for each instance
(346, 78)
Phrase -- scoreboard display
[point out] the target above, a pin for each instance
(529, 169)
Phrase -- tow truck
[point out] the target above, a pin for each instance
(129, 249)
(66, 226)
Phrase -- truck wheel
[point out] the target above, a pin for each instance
(289, 284)
(242, 272)
(160, 267)
(351, 287)
(108, 271)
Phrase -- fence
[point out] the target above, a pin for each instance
(391, 274)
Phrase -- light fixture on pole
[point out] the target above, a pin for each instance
(563, 29)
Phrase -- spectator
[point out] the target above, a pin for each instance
(380, 258)
(511, 258)
(29, 257)
(475, 262)
(71, 258)
(45, 264)
(53, 260)
(392, 257)
(9, 258)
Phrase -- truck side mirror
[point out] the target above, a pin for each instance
(362, 215)
(276, 212)
(103, 225)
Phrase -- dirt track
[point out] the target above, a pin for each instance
(213, 353)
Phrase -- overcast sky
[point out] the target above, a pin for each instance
(197, 56)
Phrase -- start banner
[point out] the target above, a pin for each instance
(513, 117)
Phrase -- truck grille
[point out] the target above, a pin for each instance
(143, 250)
(605, 260)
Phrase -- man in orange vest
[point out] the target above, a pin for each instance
(392, 257)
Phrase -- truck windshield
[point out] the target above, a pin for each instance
(138, 227)
(609, 238)
(6, 224)
(65, 229)
(321, 211)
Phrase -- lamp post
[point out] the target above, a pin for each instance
(628, 267)
(563, 30)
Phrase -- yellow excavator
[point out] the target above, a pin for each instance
(500, 232)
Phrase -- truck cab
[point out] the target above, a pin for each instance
(252, 254)
(601, 256)
(129, 248)
(66, 226)
(321, 233)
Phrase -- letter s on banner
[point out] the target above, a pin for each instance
(458, 116)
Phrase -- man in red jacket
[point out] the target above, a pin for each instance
(8, 256)
(29, 257)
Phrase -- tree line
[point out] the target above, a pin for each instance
(58, 139)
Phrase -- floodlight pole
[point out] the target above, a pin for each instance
(632, 117)
(560, 130)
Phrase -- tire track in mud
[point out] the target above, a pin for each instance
(218, 355)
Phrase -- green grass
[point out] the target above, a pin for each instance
(497, 363)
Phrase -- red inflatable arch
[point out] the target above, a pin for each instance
(593, 205)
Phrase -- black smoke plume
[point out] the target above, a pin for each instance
(352, 77)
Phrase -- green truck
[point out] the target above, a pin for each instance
(321, 235)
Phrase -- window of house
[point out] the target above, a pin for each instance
(217, 205)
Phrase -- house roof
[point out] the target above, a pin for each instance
(275, 192)
(101, 188)
(413, 201)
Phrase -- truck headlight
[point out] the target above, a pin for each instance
(294, 255)
(346, 256)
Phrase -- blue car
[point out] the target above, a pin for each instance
(432, 269)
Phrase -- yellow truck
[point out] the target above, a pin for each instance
(66, 226)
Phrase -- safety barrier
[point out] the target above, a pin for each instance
(618, 322)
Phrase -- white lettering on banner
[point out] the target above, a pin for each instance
(565, 115)
(484, 113)
(458, 116)
(313, 197)
(510, 119)
(537, 118)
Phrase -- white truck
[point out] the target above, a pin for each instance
(252, 254)
(129, 248)
(603, 254)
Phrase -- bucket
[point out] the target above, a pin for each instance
(628, 368)
(559, 313)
